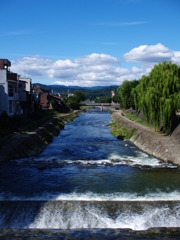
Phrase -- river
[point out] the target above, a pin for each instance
(87, 178)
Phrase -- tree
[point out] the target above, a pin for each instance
(125, 95)
(79, 96)
(74, 101)
(158, 95)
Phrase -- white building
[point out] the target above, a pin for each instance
(14, 90)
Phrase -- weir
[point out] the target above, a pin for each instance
(137, 215)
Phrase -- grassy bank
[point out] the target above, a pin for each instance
(121, 131)
(137, 119)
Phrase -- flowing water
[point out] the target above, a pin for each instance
(86, 178)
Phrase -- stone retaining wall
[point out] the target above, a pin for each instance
(166, 148)
(20, 145)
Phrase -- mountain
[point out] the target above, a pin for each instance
(90, 92)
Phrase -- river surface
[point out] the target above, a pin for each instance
(87, 178)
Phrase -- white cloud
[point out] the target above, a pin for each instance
(122, 24)
(94, 69)
(91, 70)
(176, 57)
(152, 54)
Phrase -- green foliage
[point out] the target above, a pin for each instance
(54, 104)
(74, 101)
(137, 119)
(158, 95)
(103, 100)
(59, 107)
(125, 94)
(121, 131)
(79, 96)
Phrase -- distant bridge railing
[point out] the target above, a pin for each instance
(93, 104)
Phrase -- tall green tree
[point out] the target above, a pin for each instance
(125, 95)
(158, 95)
(74, 101)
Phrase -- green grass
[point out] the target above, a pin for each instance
(121, 131)
(111, 112)
(137, 119)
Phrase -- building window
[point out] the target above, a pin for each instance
(10, 91)
(10, 106)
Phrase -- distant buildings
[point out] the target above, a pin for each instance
(41, 96)
(70, 95)
(44, 97)
(15, 92)
(112, 93)
(112, 96)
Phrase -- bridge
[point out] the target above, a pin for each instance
(94, 104)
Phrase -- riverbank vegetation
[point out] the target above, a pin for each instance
(74, 101)
(137, 119)
(120, 131)
(156, 96)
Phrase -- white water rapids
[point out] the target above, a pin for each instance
(78, 214)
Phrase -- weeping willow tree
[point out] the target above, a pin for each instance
(125, 94)
(158, 95)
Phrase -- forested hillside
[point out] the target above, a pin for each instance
(91, 93)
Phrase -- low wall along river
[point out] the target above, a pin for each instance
(87, 183)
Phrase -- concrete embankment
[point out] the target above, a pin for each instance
(166, 148)
(20, 145)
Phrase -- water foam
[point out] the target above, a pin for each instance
(141, 159)
(72, 216)
(90, 196)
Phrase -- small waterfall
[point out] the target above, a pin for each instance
(137, 215)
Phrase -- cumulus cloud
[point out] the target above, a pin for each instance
(91, 70)
(176, 57)
(152, 54)
(94, 69)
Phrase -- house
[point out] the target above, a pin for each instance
(9, 101)
(112, 93)
(14, 91)
(41, 96)
(56, 98)
(112, 96)
(25, 94)
(70, 95)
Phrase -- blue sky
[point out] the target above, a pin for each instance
(88, 42)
